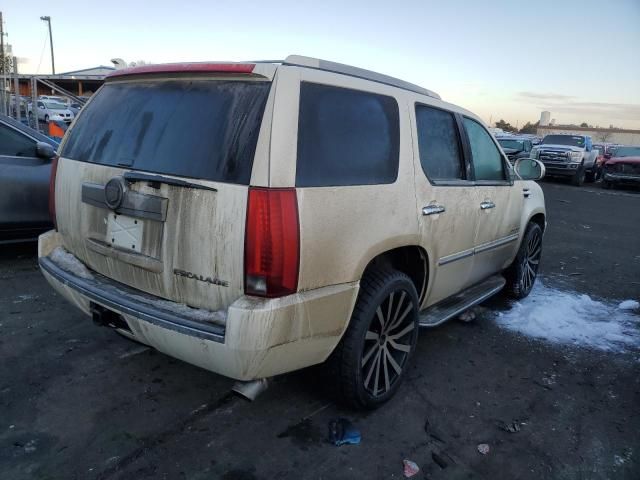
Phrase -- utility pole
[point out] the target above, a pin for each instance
(53, 64)
(3, 109)
(16, 88)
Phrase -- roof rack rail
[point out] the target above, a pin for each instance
(301, 61)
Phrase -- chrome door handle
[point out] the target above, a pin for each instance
(487, 205)
(526, 192)
(432, 209)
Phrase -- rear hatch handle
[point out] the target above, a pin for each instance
(155, 181)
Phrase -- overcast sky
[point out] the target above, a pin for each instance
(579, 59)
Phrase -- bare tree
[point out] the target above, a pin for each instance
(7, 61)
(604, 136)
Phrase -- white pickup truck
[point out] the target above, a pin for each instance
(568, 155)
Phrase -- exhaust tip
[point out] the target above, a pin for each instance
(250, 390)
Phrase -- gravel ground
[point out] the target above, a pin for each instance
(80, 402)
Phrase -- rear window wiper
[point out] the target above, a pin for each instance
(155, 181)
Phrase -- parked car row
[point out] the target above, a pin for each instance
(47, 110)
(577, 158)
(48, 107)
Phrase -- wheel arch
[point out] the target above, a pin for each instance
(412, 260)
(539, 218)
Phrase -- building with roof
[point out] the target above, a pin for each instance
(82, 82)
(622, 136)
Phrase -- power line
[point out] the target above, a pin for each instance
(42, 53)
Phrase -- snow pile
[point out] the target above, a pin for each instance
(68, 262)
(218, 317)
(629, 305)
(571, 318)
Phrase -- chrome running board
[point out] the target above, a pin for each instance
(458, 303)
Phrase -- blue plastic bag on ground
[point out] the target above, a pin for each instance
(343, 432)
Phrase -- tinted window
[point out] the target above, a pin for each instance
(487, 161)
(574, 140)
(346, 137)
(201, 129)
(15, 144)
(439, 144)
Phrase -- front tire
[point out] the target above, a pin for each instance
(578, 177)
(371, 359)
(522, 273)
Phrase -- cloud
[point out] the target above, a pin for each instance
(573, 107)
(544, 96)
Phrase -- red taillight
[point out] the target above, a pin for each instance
(52, 191)
(272, 242)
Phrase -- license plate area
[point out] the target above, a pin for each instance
(124, 232)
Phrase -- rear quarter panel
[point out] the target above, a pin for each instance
(342, 228)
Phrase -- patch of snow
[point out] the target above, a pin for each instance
(24, 298)
(629, 305)
(618, 461)
(219, 317)
(572, 318)
(70, 263)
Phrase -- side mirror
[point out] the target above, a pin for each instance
(529, 169)
(44, 150)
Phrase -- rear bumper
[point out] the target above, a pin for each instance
(125, 300)
(259, 338)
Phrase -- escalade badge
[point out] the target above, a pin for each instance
(212, 280)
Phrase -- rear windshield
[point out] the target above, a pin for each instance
(204, 129)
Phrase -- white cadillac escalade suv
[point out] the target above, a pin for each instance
(258, 218)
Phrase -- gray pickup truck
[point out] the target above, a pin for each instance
(568, 155)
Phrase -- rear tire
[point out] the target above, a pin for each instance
(521, 274)
(371, 359)
(591, 176)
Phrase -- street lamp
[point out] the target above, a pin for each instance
(48, 20)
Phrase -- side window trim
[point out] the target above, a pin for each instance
(466, 149)
(464, 157)
(508, 180)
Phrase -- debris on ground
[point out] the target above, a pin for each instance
(468, 316)
(343, 432)
(410, 468)
(511, 427)
(483, 448)
(629, 305)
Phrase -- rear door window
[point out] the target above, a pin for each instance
(205, 129)
(487, 160)
(439, 144)
(346, 137)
